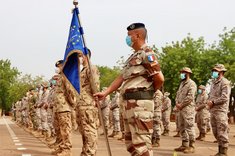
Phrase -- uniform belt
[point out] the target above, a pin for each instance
(139, 95)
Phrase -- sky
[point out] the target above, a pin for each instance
(34, 33)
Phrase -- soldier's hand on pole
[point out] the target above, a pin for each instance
(99, 96)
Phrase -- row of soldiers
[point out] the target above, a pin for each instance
(139, 81)
(53, 109)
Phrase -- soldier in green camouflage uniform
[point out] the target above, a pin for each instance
(140, 78)
(185, 102)
(218, 102)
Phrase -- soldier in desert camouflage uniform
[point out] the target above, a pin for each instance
(218, 102)
(50, 109)
(157, 118)
(140, 78)
(176, 111)
(202, 115)
(116, 115)
(38, 111)
(166, 113)
(55, 121)
(44, 107)
(86, 110)
(185, 102)
(64, 100)
(105, 104)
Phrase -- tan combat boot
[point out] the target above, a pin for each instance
(223, 151)
(113, 134)
(56, 151)
(122, 138)
(117, 135)
(65, 153)
(191, 148)
(156, 143)
(182, 147)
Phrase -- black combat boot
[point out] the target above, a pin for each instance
(203, 137)
(199, 137)
(177, 135)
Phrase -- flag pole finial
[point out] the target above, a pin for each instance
(75, 2)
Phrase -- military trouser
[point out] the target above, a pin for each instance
(166, 120)
(157, 125)
(50, 121)
(219, 123)
(65, 127)
(186, 122)
(87, 119)
(105, 113)
(56, 125)
(73, 118)
(116, 120)
(138, 122)
(202, 120)
(208, 124)
(39, 121)
(44, 120)
(177, 121)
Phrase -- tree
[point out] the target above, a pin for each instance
(107, 75)
(8, 76)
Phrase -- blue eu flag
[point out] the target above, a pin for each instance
(74, 46)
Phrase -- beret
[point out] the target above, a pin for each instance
(134, 26)
(58, 63)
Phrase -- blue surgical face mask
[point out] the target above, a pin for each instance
(182, 76)
(129, 41)
(215, 74)
(199, 91)
(53, 82)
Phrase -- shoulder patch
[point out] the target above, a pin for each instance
(151, 58)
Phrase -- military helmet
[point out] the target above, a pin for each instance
(202, 87)
(219, 68)
(186, 69)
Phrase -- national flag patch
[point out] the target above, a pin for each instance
(151, 58)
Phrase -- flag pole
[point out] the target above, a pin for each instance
(93, 86)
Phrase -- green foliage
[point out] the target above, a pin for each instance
(107, 75)
(8, 76)
(23, 84)
(13, 86)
